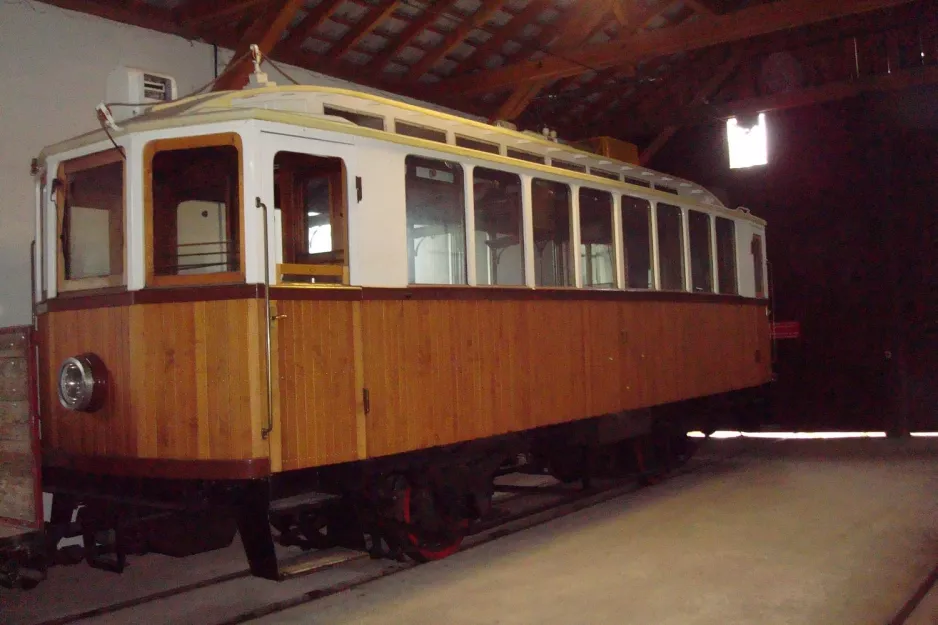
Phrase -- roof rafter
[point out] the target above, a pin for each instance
(453, 39)
(265, 32)
(702, 33)
(363, 28)
(724, 71)
(503, 35)
(319, 14)
(195, 13)
(412, 30)
(586, 18)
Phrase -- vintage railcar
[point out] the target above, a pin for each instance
(343, 314)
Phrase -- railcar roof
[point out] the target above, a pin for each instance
(303, 106)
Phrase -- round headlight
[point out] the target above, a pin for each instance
(82, 383)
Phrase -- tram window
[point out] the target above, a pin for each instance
(597, 253)
(525, 156)
(498, 227)
(568, 166)
(309, 191)
(553, 262)
(636, 234)
(701, 270)
(436, 221)
(670, 247)
(602, 173)
(758, 261)
(92, 221)
(475, 144)
(361, 119)
(726, 255)
(195, 194)
(420, 132)
(637, 182)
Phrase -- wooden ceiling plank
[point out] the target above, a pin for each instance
(503, 35)
(195, 13)
(485, 12)
(586, 18)
(265, 32)
(410, 32)
(314, 18)
(809, 96)
(699, 7)
(726, 69)
(757, 20)
(363, 27)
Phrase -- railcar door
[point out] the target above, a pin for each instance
(315, 335)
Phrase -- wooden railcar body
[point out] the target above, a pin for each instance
(361, 362)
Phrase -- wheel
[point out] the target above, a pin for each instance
(432, 532)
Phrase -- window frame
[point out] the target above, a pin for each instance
(682, 247)
(732, 256)
(156, 146)
(708, 248)
(650, 215)
(71, 166)
(465, 173)
(582, 280)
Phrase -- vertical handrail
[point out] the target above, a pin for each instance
(265, 432)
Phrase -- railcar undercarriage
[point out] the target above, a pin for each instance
(417, 505)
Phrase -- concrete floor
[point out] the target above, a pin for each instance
(797, 532)
(807, 532)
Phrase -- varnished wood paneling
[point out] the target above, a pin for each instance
(440, 372)
(319, 396)
(186, 380)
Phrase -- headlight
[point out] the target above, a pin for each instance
(82, 383)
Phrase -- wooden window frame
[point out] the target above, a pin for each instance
(184, 143)
(84, 163)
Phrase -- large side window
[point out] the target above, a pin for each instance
(726, 255)
(91, 222)
(597, 252)
(498, 227)
(194, 193)
(670, 247)
(758, 261)
(309, 192)
(436, 221)
(636, 235)
(701, 272)
(553, 260)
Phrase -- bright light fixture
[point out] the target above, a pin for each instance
(748, 146)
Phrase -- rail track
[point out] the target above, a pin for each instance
(522, 501)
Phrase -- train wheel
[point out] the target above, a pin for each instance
(432, 533)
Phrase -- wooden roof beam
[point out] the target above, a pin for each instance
(363, 28)
(453, 39)
(705, 32)
(195, 13)
(810, 96)
(726, 69)
(503, 35)
(586, 19)
(265, 32)
(699, 6)
(316, 17)
(410, 32)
